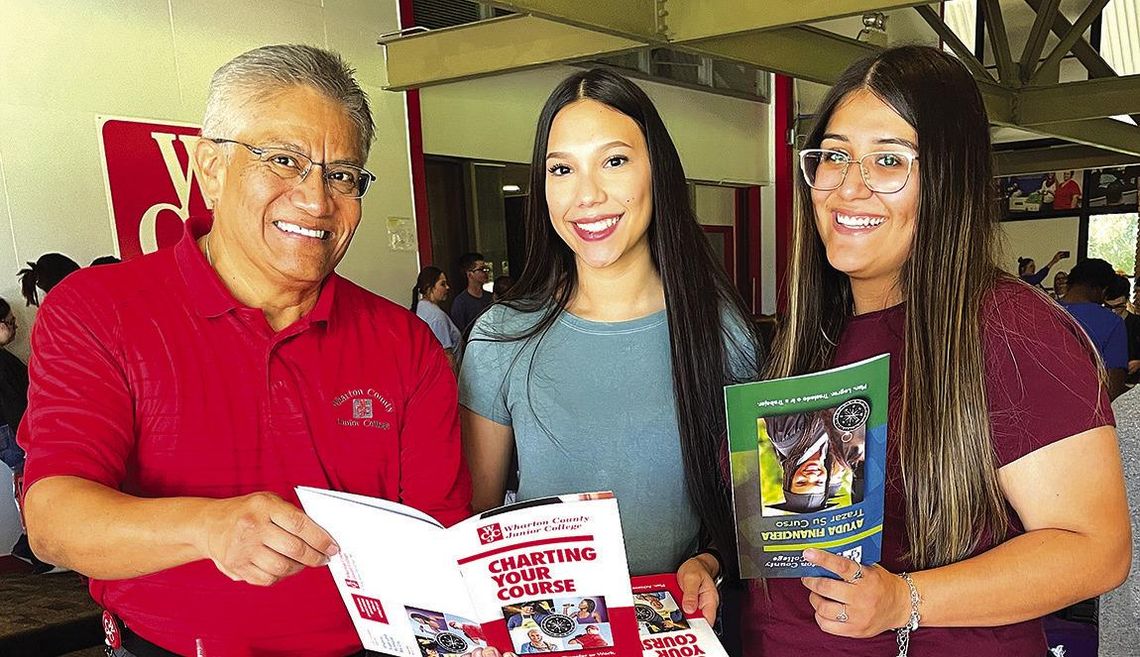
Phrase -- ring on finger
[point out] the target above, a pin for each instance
(842, 617)
(857, 576)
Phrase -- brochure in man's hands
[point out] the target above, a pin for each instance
(546, 575)
(808, 460)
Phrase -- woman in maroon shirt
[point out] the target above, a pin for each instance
(1004, 497)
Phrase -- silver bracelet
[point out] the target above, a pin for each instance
(902, 634)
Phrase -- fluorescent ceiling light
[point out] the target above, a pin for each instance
(512, 188)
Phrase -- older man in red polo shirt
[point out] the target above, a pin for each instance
(176, 399)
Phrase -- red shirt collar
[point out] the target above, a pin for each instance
(209, 296)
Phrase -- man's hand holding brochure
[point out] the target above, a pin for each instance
(547, 575)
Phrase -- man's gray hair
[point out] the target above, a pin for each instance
(251, 76)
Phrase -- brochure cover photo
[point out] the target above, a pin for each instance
(546, 575)
(665, 629)
(808, 459)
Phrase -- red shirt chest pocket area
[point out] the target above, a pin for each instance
(361, 446)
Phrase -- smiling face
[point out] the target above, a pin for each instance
(279, 232)
(598, 187)
(868, 235)
(534, 636)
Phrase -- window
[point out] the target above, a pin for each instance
(1112, 237)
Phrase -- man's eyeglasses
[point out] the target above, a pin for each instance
(484, 269)
(884, 172)
(346, 180)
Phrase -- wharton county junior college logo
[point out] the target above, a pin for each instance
(367, 409)
(362, 409)
(490, 534)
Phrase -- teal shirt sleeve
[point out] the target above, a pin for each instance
(486, 364)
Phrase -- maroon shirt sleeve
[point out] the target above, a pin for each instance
(433, 473)
(80, 411)
(1041, 374)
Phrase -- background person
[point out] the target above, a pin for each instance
(44, 274)
(473, 299)
(1116, 300)
(1088, 287)
(1060, 285)
(605, 365)
(13, 403)
(1027, 269)
(431, 289)
(167, 428)
(995, 398)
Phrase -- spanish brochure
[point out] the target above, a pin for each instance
(808, 459)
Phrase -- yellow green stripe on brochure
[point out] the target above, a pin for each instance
(819, 545)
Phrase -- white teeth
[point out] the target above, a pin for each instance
(298, 230)
(852, 221)
(598, 226)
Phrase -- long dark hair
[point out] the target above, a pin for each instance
(425, 281)
(949, 272)
(697, 291)
(45, 273)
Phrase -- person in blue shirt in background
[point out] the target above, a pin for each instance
(1088, 282)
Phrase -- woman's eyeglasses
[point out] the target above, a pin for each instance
(884, 172)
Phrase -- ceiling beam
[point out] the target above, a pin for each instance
(635, 19)
(806, 53)
(1102, 133)
(691, 20)
(947, 35)
(1084, 52)
(1088, 56)
(1085, 99)
(499, 45)
(999, 40)
(1069, 156)
(1075, 34)
(1000, 102)
(1047, 18)
(567, 31)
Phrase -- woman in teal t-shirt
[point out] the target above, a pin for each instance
(605, 363)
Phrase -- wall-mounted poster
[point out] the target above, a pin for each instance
(151, 188)
(1049, 194)
(1113, 189)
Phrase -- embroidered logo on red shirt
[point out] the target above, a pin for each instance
(361, 409)
(366, 410)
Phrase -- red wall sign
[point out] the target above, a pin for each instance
(151, 187)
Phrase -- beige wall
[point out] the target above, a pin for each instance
(719, 138)
(64, 63)
(715, 206)
(1039, 239)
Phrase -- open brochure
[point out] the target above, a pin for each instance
(808, 458)
(547, 575)
(665, 629)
